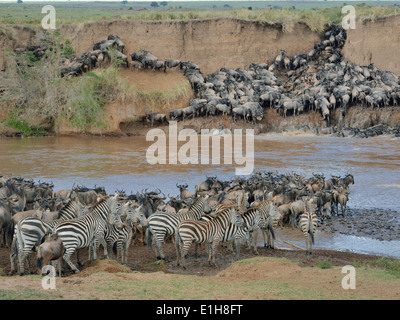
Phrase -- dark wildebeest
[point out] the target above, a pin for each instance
(156, 117)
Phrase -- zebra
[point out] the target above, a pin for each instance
(84, 231)
(29, 232)
(112, 232)
(252, 220)
(163, 223)
(308, 224)
(125, 236)
(210, 232)
(271, 215)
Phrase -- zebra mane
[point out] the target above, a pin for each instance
(225, 208)
(250, 209)
(101, 200)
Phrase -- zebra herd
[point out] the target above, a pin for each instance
(232, 212)
(108, 222)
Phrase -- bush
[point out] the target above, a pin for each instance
(324, 264)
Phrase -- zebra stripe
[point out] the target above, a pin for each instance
(163, 223)
(252, 221)
(211, 232)
(269, 211)
(84, 231)
(308, 224)
(29, 232)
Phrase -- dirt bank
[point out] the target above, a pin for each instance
(302, 276)
(375, 42)
(211, 44)
(155, 92)
(222, 42)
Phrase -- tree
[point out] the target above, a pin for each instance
(124, 2)
(164, 3)
(154, 4)
(19, 1)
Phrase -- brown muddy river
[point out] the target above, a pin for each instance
(121, 164)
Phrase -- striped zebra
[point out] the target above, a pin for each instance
(113, 231)
(84, 231)
(271, 214)
(125, 236)
(29, 232)
(252, 220)
(163, 223)
(211, 233)
(308, 224)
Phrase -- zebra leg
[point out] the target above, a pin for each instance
(67, 259)
(238, 243)
(265, 242)
(230, 246)
(213, 251)
(254, 243)
(184, 250)
(78, 260)
(104, 244)
(22, 259)
(196, 246)
(14, 254)
(158, 239)
(120, 251)
(126, 246)
(250, 241)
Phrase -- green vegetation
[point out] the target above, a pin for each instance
(22, 126)
(25, 293)
(40, 98)
(38, 95)
(324, 264)
(392, 266)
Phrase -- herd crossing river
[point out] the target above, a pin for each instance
(120, 164)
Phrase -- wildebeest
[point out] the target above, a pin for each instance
(159, 118)
(50, 250)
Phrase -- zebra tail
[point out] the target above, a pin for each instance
(178, 241)
(310, 230)
(148, 238)
(19, 236)
(293, 217)
(39, 260)
(10, 232)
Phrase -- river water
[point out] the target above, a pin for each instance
(121, 164)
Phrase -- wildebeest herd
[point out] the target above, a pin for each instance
(320, 80)
(57, 224)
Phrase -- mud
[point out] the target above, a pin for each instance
(143, 260)
(375, 223)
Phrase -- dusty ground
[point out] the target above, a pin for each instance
(299, 277)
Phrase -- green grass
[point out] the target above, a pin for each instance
(324, 264)
(21, 126)
(391, 266)
(24, 293)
